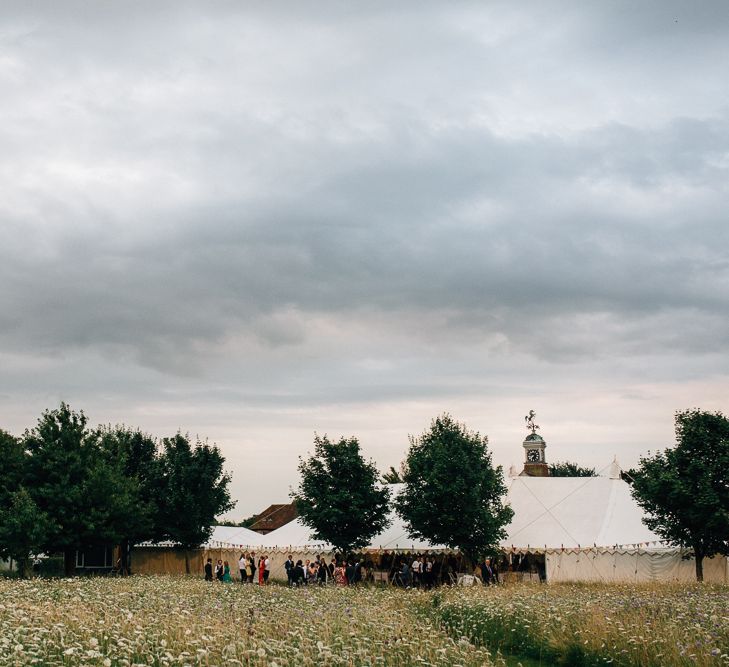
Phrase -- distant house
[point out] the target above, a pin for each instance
(274, 517)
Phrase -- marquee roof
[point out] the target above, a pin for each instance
(296, 534)
(549, 512)
(574, 511)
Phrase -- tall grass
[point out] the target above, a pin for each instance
(160, 621)
(647, 626)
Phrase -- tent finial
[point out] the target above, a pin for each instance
(615, 468)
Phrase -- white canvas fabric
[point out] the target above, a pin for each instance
(556, 512)
(296, 534)
(233, 535)
(631, 566)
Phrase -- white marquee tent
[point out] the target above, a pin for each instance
(587, 529)
(296, 534)
(591, 529)
(552, 512)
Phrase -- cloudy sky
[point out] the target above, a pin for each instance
(254, 221)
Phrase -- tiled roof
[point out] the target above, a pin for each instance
(274, 517)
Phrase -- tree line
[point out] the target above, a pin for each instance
(65, 487)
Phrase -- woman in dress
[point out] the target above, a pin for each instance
(340, 574)
(226, 573)
(261, 569)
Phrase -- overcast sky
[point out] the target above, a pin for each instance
(257, 220)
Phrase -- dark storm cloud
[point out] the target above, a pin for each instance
(455, 221)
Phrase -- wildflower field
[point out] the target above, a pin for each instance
(185, 621)
(594, 624)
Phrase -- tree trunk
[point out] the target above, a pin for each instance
(699, 566)
(69, 562)
(24, 568)
(126, 556)
(187, 562)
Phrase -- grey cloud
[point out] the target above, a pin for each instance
(300, 206)
(385, 236)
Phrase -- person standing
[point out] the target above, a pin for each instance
(219, 570)
(209, 570)
(266, 569)
(405, 574)
(289, 566)
(429, 573)
(226, 573)
(487, 574)
(297, 574)
(416, 571)
(340, 575)
(242, 568)
(349, 573)
(261, 567)
(251, 567)
(322, 572)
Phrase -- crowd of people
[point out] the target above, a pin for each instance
(403, 570)
(247, 568)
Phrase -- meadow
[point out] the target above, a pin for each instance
(185, 621)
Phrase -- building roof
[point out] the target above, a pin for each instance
(274, 517)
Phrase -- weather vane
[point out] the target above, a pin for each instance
(529, 419)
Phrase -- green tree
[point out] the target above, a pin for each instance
(685, 490)
(60, 457)
(453, 495)
(569, 469)
(339, 497)
(392, 476)
(87, 500)
(23, 530)
(135, 454)
(12, 456)
(194, 492)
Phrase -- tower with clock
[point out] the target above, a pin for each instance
(535, 461)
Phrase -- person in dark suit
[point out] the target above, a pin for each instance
(209, 570)
(350, 571)
(297, 574)
(289, 566)
(487, 572)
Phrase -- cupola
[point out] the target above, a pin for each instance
(535, 460)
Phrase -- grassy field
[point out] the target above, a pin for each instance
(646, 625)
(181, 621)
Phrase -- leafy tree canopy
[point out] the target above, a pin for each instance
(195, 490)
(568, 469)
(23, 529)
(87, 498)
(136, 456)
(339, 497)
(453, 494)
(243, 523)
(392, 476)
(685, 490)
(12, 459)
